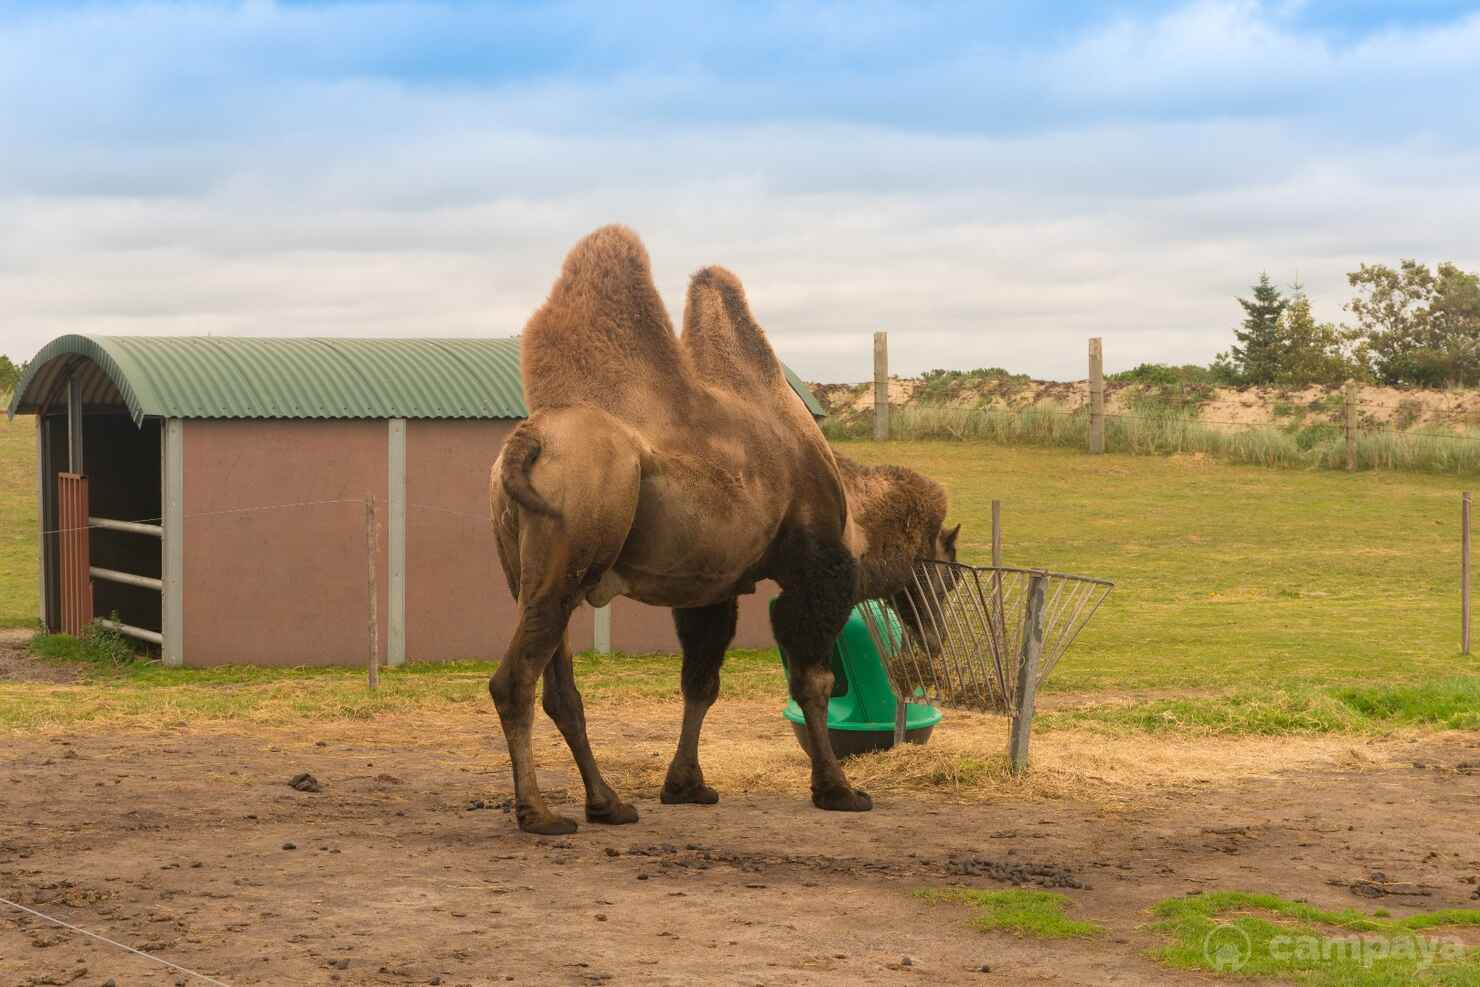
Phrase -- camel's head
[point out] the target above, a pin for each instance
(898, 518)
(945, 544)
(921, 604)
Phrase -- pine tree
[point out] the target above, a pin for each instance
(1256, 356)
(1311, 352)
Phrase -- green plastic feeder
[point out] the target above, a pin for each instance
(860, 714)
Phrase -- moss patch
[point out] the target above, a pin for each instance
(1037, 914)
(1262, 935)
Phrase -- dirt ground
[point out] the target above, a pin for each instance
(406, 868)
(17, 665)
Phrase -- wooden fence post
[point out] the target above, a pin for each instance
(999, 632)
(1027, 675)
(1351, 425)
(881, 386)
(996, 533)
(1096, 396)
(1464, 572)
(370, 540)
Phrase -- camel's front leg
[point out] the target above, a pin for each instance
(562, 701)
(704, 633)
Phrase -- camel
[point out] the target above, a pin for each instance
(896, 517)
(677, 472)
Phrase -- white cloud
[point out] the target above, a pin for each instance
(343, 202)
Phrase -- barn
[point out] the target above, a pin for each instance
(232, 500)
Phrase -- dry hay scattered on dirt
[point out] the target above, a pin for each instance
(748, 748)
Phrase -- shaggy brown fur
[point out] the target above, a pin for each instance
(895, 518)
(677, 473)
(728, 349)
(603, 335)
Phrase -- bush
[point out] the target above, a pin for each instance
(1166, 375)
(942, 385)
(97, 644)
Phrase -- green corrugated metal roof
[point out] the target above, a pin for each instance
(266, 377)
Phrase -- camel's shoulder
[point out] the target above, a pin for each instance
(603, 336)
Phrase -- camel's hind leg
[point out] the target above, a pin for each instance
(592, 470)
(704, 633)
(816, 597)
(540, 631)
(562, 701)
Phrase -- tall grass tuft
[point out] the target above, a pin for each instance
(1151, 433)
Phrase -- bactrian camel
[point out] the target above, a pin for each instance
(676, 471)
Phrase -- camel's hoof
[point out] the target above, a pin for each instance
(843, 800)
(548, 825)
(697, 794)
(616, 814)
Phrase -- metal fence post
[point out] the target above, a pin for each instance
(601, 630)
(172, 547)
(395, 548)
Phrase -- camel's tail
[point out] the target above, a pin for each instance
(521, 449)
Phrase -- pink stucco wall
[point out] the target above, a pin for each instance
(274, 552)
(287, 585)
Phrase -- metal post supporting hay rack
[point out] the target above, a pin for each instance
(956, 636)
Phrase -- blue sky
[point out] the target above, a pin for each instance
(992, 183)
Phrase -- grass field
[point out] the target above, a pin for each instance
(1265, 600)
(17, 521)
(1158, 429)
(1225, 575)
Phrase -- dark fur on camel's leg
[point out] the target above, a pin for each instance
(704, 633)
(562, 702)
(816, 598)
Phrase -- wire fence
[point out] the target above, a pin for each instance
(956, 635)
(72, 606)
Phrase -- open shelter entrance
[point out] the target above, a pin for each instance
(100, 486)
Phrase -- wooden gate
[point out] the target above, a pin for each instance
(73, 554)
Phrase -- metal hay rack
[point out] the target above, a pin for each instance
(960, 635)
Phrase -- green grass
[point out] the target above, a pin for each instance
(97, 645)
(18, 523)
(1227, 577)
(1262, 935)
(1451, 704)
(1036, 914)
(1288, 601)
(1153, 428)
(147, 693)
